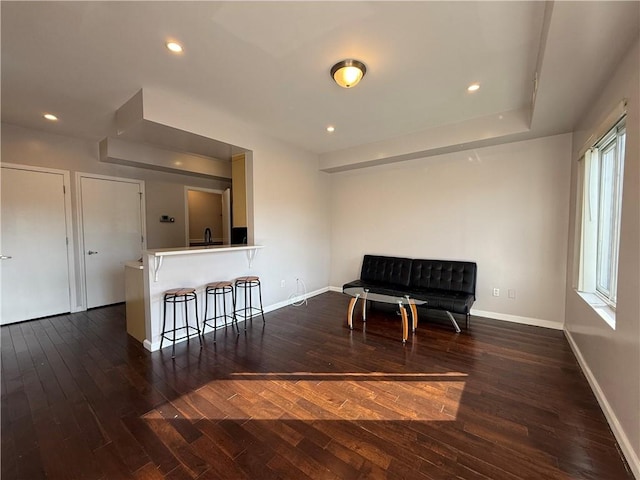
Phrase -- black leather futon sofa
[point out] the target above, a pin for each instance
(444, 284)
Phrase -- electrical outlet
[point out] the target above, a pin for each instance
(496, 292)
(282, 283)
(512, 293)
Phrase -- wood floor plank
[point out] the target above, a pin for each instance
(222, 466)
(8, 456)
(153, 446)
(300, 397)
(305, 465)
(148, 472)
(169, 431)
(224, 441)
(111, 463)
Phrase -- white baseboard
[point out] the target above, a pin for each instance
(536, 322)
(296, 299)
(625, 445)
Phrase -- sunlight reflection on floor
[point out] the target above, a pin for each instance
(326, 396)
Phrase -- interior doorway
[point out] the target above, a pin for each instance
(207, 217)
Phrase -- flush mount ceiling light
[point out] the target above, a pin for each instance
(174, 47)
(348, 73)
(51, 117)
(473, 87)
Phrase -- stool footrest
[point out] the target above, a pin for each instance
(207, 321)
(188, 335)
(252, 312)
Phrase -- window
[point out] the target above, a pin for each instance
(601, 208)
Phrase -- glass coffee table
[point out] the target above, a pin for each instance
(401, 301)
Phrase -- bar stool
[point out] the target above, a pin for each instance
(219, 289)
(248, 284)
(174, 297)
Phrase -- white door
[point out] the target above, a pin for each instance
(112, 235)
(34, 265)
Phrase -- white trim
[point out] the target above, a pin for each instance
(297, 298)
(625, 445)
(71, 257)
(599, 306)
(535, 322)
(82, 301)
(604, 126)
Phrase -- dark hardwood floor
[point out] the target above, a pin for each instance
(300, 397)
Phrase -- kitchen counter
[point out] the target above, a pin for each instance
(162, 252)
(193, 267)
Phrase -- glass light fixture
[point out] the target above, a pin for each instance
(50, 116)
(348, 73)
(175, 47)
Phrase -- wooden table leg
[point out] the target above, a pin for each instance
(405, 324)
(352, 306)
(414, 314)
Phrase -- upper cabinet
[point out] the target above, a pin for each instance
(239, 190)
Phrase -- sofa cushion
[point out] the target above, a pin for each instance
(451, 276)
(386, 270)
(454, 302)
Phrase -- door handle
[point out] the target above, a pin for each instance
(5, 257)
(91, 252)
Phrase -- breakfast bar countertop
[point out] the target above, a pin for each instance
(163, 252)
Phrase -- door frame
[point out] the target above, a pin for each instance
(186, 207)
(81, 263)
(68, 217)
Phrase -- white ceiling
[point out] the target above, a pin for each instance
(267, 63)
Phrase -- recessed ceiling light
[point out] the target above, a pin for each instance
(331, 128)
(174, 47)
(50, 116)
(473, 87)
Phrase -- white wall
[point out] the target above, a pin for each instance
(36, 148)
(611, 358)
(504, 207)
(291, 196)
(289, 211)
(165, 198)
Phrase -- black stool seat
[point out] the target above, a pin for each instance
(219, 289)
(176, 296)
(248, 284)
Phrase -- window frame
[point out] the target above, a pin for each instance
(593, 228)
(614, 139)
